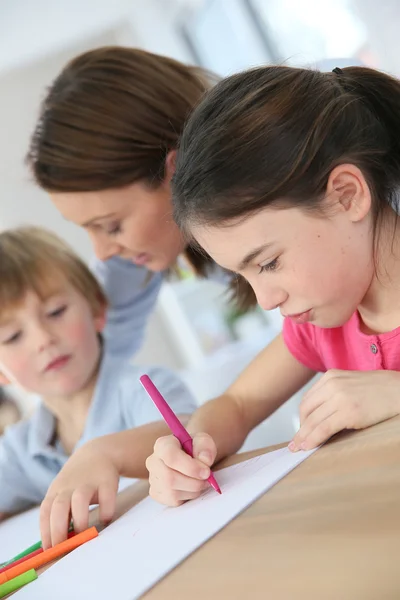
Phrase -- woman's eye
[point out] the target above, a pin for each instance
(271, 266)
(114, 229)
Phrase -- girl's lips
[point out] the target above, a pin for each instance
(301, 318)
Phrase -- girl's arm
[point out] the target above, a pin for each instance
(220, 426)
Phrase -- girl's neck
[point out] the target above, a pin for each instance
(380, 307)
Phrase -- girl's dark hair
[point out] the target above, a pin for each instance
(272, 135)
(110, 118)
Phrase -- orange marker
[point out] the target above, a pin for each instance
(48, 555)
(14, 563)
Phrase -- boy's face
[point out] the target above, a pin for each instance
(50, 347)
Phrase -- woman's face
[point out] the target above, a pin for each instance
(134, 222)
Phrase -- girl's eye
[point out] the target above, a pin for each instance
(58, 312)
(114, 229)
(271, 266)
(13, 338)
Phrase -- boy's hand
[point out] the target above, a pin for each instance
(346, 400)
(174, 476)
(88, 477)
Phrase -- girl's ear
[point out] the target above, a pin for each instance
(348, 191)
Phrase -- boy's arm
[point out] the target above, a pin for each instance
(92, 473)
(126, 450)
(91, 476)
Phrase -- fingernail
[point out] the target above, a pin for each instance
(204, 473)
(292, 446)
(205, 457)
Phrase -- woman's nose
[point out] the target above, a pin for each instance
(104, 249)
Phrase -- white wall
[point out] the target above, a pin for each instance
(21, 201)
(382, 20)
(153, 25)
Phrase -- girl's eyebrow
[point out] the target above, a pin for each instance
(252, 255)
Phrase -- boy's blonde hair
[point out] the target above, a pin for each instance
(34, 259)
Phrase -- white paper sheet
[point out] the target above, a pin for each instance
(135, 552)
(17, 533)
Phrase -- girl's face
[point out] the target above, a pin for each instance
(134, 222)
(313, 268)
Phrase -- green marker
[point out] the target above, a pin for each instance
(22, 554)
(28, 551)
(17, 582)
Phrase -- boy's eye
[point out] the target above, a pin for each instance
(13, 338)
(271, 266)
(57, 312)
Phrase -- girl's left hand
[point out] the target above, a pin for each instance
(346, 400)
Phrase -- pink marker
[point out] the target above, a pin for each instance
(173, 422)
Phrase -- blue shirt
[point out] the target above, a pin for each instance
(28, 460)
(132, 293)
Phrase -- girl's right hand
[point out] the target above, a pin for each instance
(174, 476)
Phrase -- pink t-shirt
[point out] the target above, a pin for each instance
(345, 348)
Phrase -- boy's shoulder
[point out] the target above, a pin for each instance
(119, 372)
(116, 369)
(31, 434)
(120, 380)
(17, 436)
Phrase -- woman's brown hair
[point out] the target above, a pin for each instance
(110, 118)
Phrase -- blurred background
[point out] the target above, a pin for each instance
(193, 330)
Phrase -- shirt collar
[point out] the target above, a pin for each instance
(43, 422)
(41, 433)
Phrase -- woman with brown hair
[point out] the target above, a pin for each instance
(104, 149)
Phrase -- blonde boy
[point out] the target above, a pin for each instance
(52, 312)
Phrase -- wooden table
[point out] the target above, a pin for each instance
(329, 530)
